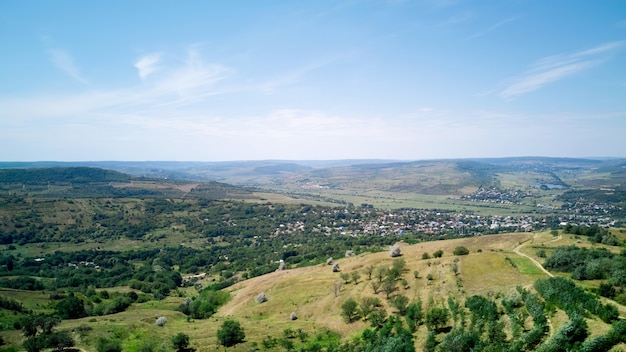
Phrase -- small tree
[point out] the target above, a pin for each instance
(230, 333)
(438, 253)
(181, 342)
(425, 255)
(345, 277)
(336, 288)
(367, 305)
(437, 318)
(369, 271)
(381, 272)
(400, 302)
(355, 277)
(389, 287)
(349, 310)
(375, 286)
(416, 274)
(460, 250)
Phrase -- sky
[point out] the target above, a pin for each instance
(200, 80)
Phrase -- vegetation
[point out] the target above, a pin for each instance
(230, 333)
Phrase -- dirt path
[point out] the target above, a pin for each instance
(517, 250)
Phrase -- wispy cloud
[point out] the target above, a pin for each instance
(554, 68)
(494, 27)
(65, 62)
(147, 64)
(178, 84)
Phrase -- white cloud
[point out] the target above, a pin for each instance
(65, 62)
(554, 68)
(187, 83)
(147, 64)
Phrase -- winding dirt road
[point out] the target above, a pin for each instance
(517, 250)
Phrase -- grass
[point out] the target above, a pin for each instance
(307, 292)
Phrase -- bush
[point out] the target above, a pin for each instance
(180, 342)
(460, 250)
(438, 253)
(106, 345)
(230, 333)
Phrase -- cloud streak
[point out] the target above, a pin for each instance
(554, 68)
(147, 64)
(65, 62)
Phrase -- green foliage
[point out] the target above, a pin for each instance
(574, 300)
(349, 310)
(71, 307)
(460, 250)
(181, 342)
(569, 337)
(400, 302)
(437, 318)
(108, 345)
(438, 253)
(230, 333)
(414, 315)
(205, 305)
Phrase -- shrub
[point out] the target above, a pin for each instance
(230, 333)
(425, 255)
(106, 345)
(349, 310)
(460, 250)
(180, 342)
(438, 253)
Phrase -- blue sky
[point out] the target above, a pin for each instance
(249, 80)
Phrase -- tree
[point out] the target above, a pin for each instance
(355, 276)
(368, 304)
(414, 315)
(375, 286)
(400, 302)
(230, 333)
(71, 307)
(381, 272)
(369, 271)
(437, 318)
(389, 287)
(181, 342)
(416, 274)
(425, 256)
(349, 310)
(438, 253)
(345, 277)
(336, 288)
(460, 250)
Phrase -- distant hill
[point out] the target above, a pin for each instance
(61, 174)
